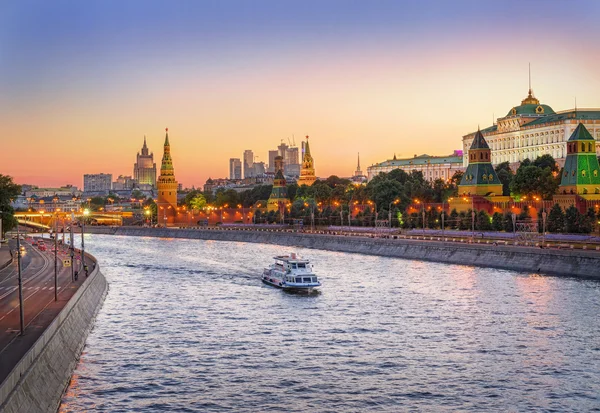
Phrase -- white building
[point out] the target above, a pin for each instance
(97, 182)
(432, 167)
(533, 129)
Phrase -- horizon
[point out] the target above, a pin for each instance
(81, 84)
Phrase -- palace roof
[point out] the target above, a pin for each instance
(530, 109)
(422, 160)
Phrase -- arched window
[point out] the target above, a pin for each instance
(582, 147)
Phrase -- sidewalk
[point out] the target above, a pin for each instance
(5, 258)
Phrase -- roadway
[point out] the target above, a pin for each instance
(40, 308)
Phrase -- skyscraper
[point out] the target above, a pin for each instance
(235, 168)
(272, 155)
(248, 161)
(167, 186)
(144, 170)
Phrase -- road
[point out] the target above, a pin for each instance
(39, 306)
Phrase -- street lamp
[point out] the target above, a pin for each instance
(394, 202)
(422, 213)
(86, 212)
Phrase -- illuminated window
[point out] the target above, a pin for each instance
(583, 173)
(595, 173)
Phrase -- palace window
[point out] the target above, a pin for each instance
(595, 173)
(582, 147)
(583, 173)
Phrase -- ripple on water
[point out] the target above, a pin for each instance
(190, 328)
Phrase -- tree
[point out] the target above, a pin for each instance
(546, 161)
(197, 203)
(555, 221)
(137, 194)
(483, 222)
(572, 220)
(505, 175)
(497, 224)
(8, 191)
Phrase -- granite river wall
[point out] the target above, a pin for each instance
(565, 262)
(38, 381)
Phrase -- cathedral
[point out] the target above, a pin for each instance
(166, 187)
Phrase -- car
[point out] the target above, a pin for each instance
(22, 248)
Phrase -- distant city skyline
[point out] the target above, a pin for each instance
(82, 83)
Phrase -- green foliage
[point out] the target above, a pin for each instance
(8, 191)
(197, 203)
(576, 222)
(227, 197)
(505, 175)
(497, 222)
(483, 221)
(97, 202)
(555, 222)
(507, 222)
(536, 178)
(137, 194)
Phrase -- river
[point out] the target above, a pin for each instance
(187, 326)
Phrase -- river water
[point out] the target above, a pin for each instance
(187, 326)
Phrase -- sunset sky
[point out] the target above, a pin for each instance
(82, 82)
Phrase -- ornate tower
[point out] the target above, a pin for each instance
(581, 174)
(307, 173)
(358, 172)
(166, 186)
(278, 198)
(480, 178)
(144, 170)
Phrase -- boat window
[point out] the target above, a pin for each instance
(307, 280)
(301, 265)
(293, 265)
(298, 280)
(314, 279)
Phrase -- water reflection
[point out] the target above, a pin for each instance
(188, 326)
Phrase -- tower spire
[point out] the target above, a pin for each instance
(358, 164)
(530, 79)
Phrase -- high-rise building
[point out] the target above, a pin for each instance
(166, 186)
(248, 161)
(272, 155)
(97, 182)
(144, 170)
(307, 173)
(235, 168)
(259, 168)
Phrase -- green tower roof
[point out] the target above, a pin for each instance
(581, 134)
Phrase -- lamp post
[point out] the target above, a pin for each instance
(86, 212)
(72, 248)
(394, 202)
(55, 257)
(422, 213)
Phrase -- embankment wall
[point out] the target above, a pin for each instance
(576, 263)
(38, 381)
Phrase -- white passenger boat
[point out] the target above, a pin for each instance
(291, 272)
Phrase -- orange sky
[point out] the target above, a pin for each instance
(86, 110)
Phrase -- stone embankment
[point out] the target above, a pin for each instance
(577, 263)
(38, 381)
